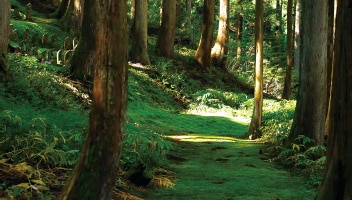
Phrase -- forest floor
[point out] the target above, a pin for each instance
(207, 161)
(226, 168)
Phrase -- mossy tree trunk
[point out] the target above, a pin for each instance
(289, 52)
(95, 174)
(139, 51)
(337, 181)
(310, 113)
(258, 89)
(203, 53)
(166, 37)
(220, 48)
(4, 33)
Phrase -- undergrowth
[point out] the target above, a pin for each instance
(306, 160)
(37, 142)
(309, 161)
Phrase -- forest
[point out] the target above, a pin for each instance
(176, 99)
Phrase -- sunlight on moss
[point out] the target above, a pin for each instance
(202, 138)
(220, 113)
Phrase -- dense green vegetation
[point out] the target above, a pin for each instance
(44, 114)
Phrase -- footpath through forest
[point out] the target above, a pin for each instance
(220, 168)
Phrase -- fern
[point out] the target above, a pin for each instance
(149, 148)
(36, 142)
(316, 152)
(304, 140)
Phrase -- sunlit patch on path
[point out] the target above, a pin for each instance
(224, 167)
(204, 138)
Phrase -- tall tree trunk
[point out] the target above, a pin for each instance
(65, 20)
(203, 53)
(166, 37)
(331, 36)
(4, 33)
(139, 51)
(189, 20)
(311, 105)
(70, 14)
(82, 59)
(219, 51)
(258, 90)
(95, 173)
(331, 26)
(239, 33)
(297, 36)
(289, 54)
(277, 41)
(61, 10)
(337, 181)
(77, 15)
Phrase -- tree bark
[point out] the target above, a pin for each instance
(70, 14)
(297, 36)
(203, 53)
(65, 19)
(258, 90)
(95, 173)
(82, 59)
(61, 10)
(166, 37)
(239, 33)
(331, 37)
(4, 33)
(277, 41)
(220, 49)
(139, 51)
(289, 54)
(311, 105)
(337, 181)
(78, 7)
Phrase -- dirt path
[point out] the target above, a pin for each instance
(218, 169)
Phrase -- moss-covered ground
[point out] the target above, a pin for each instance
(223, 168)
